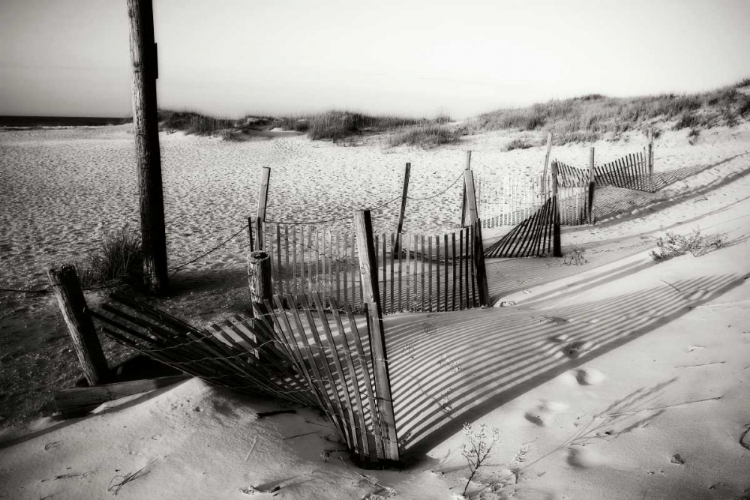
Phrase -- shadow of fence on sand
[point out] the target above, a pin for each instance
(450, 369)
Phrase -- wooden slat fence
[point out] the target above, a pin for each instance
(429, 273)
(509, 202)
(533, 237)
(629, 172)
(304, 354)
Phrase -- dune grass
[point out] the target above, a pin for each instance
(594, 116)
(119, 258)
(338, 125)
(191, 122)
(427, 135)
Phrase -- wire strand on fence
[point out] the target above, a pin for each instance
(178, 268)
(439, 193)
(312, 222)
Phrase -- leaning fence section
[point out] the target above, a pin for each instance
(533, 237)
(512, 201)
(303, 354)
(629, 172)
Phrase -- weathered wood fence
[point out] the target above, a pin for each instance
(416, 272)
(632, 171)
(281, 354)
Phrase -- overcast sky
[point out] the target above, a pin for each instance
(231, 57)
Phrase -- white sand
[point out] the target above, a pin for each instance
(597, 380)
(61, 189)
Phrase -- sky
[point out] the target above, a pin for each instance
(413, 58)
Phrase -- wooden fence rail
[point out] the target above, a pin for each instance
(426, 273)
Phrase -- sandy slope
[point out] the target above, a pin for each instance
(597, 382)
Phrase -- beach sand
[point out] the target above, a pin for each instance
(618, 335)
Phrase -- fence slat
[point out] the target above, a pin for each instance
(339, 369)
(374, 411)
(437, 273)
(365, 450)
(445, 266)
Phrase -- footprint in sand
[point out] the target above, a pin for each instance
(544, 413)
(589, 376)
(582, 458)
(574, 349)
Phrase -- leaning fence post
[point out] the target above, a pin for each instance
(592, 187)
(463, 198)
(262, 203)
(404, 193)
(371, 292)
(481, 270)
(67, 289)
(556, 245)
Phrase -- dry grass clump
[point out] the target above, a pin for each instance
(191, 122)
(674, 245)
(119, 258)
(518, 144)
(426, 136)
(594, 116)
(338, 125)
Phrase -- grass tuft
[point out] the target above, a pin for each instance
(426, 136)
(674, 245)
(518, 144)
(119, 258)
(338, 125)
(191, 122)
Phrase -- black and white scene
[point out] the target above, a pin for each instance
(335, 250)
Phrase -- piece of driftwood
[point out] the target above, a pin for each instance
(79, 400)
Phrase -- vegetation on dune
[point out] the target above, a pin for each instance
(191, 122)
(582, 119)
(594, 116)
(338, 125)
(119, 258)
(426, 135)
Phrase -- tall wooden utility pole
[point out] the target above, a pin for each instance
(146, 124)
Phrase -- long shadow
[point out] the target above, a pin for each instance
(450, 369)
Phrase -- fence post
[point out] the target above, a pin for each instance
(67, 289)
(556, 245)
(650, 159)
(592, 187)
(148, 156)
(471, 200)
(463, 198)
(262, 203)
(546, 163)
(260, 285)
(404, 193)
(371, 294)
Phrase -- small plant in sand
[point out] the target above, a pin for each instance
(518, 144)
(119, 258)
(478, 449)
(673, 245)
(575, 258)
